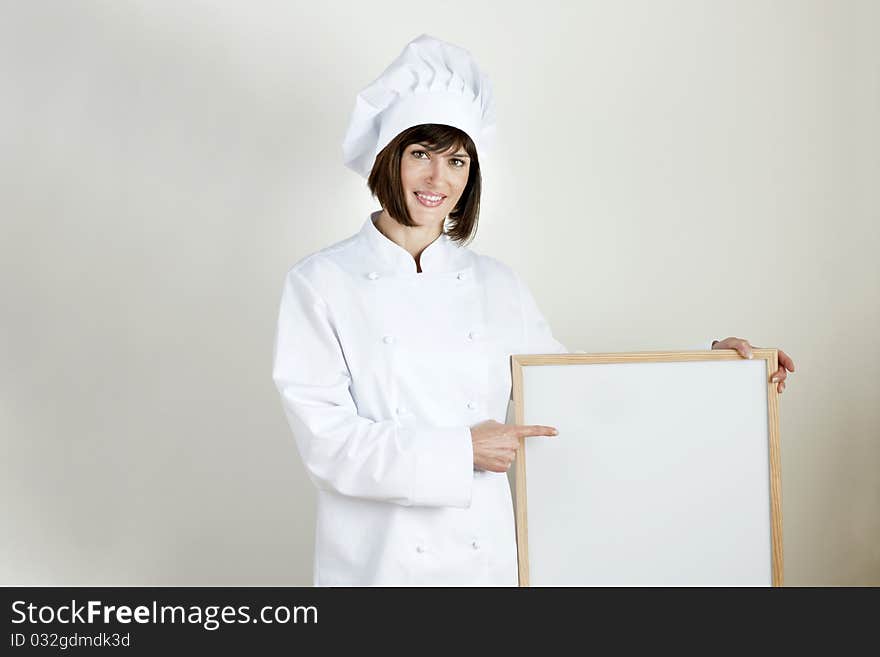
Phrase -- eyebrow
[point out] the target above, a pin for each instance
(459, 154)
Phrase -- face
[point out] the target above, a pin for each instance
(432, 182)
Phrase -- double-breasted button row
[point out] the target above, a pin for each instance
(401, 410)
(475, 544)
(472, 336)
(389, 339)
(373, 275)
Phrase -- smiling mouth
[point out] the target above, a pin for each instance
(430, 200)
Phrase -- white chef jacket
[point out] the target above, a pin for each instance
(382, 371)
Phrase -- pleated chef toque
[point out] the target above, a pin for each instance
(431, 81)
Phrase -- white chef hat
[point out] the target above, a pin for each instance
(431, 81)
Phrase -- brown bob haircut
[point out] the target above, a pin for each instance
(385, 184)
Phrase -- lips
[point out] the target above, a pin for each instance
(429, 199)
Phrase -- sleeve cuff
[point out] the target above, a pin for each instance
(444, 472)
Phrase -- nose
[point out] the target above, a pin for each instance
(435, 171)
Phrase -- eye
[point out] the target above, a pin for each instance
(457, 162)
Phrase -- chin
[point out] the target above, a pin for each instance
(427, 216)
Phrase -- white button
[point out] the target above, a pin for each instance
(475, 545)
(419, 549)
(372, 276)
(473, 335)
(388, 339)
(461, 276)
(471, 405)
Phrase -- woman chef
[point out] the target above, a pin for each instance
(392, 353)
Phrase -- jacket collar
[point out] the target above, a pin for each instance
(441, 255)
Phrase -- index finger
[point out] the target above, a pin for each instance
(525, 430)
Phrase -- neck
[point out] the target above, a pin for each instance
(414, 239)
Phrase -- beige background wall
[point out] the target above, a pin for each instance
(667, 173)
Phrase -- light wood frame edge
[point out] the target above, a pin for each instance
(771, 357)
(522, 524)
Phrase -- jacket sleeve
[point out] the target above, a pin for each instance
(537, 336)
(342, 451)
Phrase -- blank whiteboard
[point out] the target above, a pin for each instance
(665, 471)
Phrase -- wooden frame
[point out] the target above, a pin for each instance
(519, 362)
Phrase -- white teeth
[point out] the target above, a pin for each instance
(430, 199)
